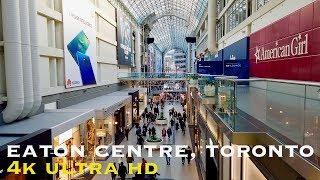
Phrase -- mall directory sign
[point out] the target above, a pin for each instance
(124, 38)
(79, 42)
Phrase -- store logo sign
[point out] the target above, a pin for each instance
(296, 47)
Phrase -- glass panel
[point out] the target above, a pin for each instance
(175, 19)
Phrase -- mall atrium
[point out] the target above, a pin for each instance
(98, 73)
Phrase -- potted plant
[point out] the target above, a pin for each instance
(161, 120)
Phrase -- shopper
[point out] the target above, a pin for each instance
(153, 131)
(140, 141)
(167, 157)
(184, 152)
(184, 116)
(164, 133)
(122, 171)
(138, 131)
(143, 166)
(169, 132)
(177, 126)
(127, 133)
(148, 117)
(144, 130)
(172, 122)
(129, 159)
(113, 175)
(183, 127)
(189, 152)
(149, 131)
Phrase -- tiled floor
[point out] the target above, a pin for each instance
(176, 170)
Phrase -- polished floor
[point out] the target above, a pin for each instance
(176, 170)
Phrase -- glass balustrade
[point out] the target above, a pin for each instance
(153, 75)
(289, 110)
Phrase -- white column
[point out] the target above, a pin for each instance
(212, 21)
(13, 60)
(138, 50)
(254, 6)
(34, 41)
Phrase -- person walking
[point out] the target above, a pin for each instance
(169, 132)
(184, 158)
(147, 116)
(164, 133)
(129, 159)
(177, 126)
(113, 175)
(183, 127)
(126, 131)
(143, 167)
(150, 131)
(167, 157)
(122, 171)
(172, 122)
(138, 131)
(189, 152)
(140, 141)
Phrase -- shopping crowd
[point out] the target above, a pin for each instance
(148, 117)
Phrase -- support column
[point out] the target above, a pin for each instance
(254, 6)
(189, 59)
(212, 22)
(138, 50)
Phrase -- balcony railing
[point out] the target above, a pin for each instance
(289, 109)
(154, 75)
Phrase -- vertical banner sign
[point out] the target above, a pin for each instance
(79, 43)
(124, 38)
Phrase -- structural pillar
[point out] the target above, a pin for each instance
(138, 49)
(189, 59)
(212, 23)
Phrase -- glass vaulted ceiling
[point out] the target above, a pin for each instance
(176, 19)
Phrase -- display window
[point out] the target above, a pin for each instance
(68, 138)
(104, 131)
(82, 135)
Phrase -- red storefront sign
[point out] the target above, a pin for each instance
(288, 48)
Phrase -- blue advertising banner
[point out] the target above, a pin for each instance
(237, 51)
(239, 68)
(210, 67)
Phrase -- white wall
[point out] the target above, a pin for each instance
(51, 46)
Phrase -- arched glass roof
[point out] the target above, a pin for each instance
(175, 19)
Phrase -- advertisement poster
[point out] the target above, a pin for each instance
(124, 38)
(79, 43)
(239, 68)
(210, 67)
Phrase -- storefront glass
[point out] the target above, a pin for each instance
(83, 134)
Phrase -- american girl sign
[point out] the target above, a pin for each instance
(287, 48)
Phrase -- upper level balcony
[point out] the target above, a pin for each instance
(288, 112)
(153, 76)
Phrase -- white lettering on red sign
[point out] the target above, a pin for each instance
(297, 47)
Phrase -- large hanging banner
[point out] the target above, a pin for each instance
(79, 43)
(124, 38)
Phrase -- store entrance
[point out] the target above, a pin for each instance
(120, 125)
